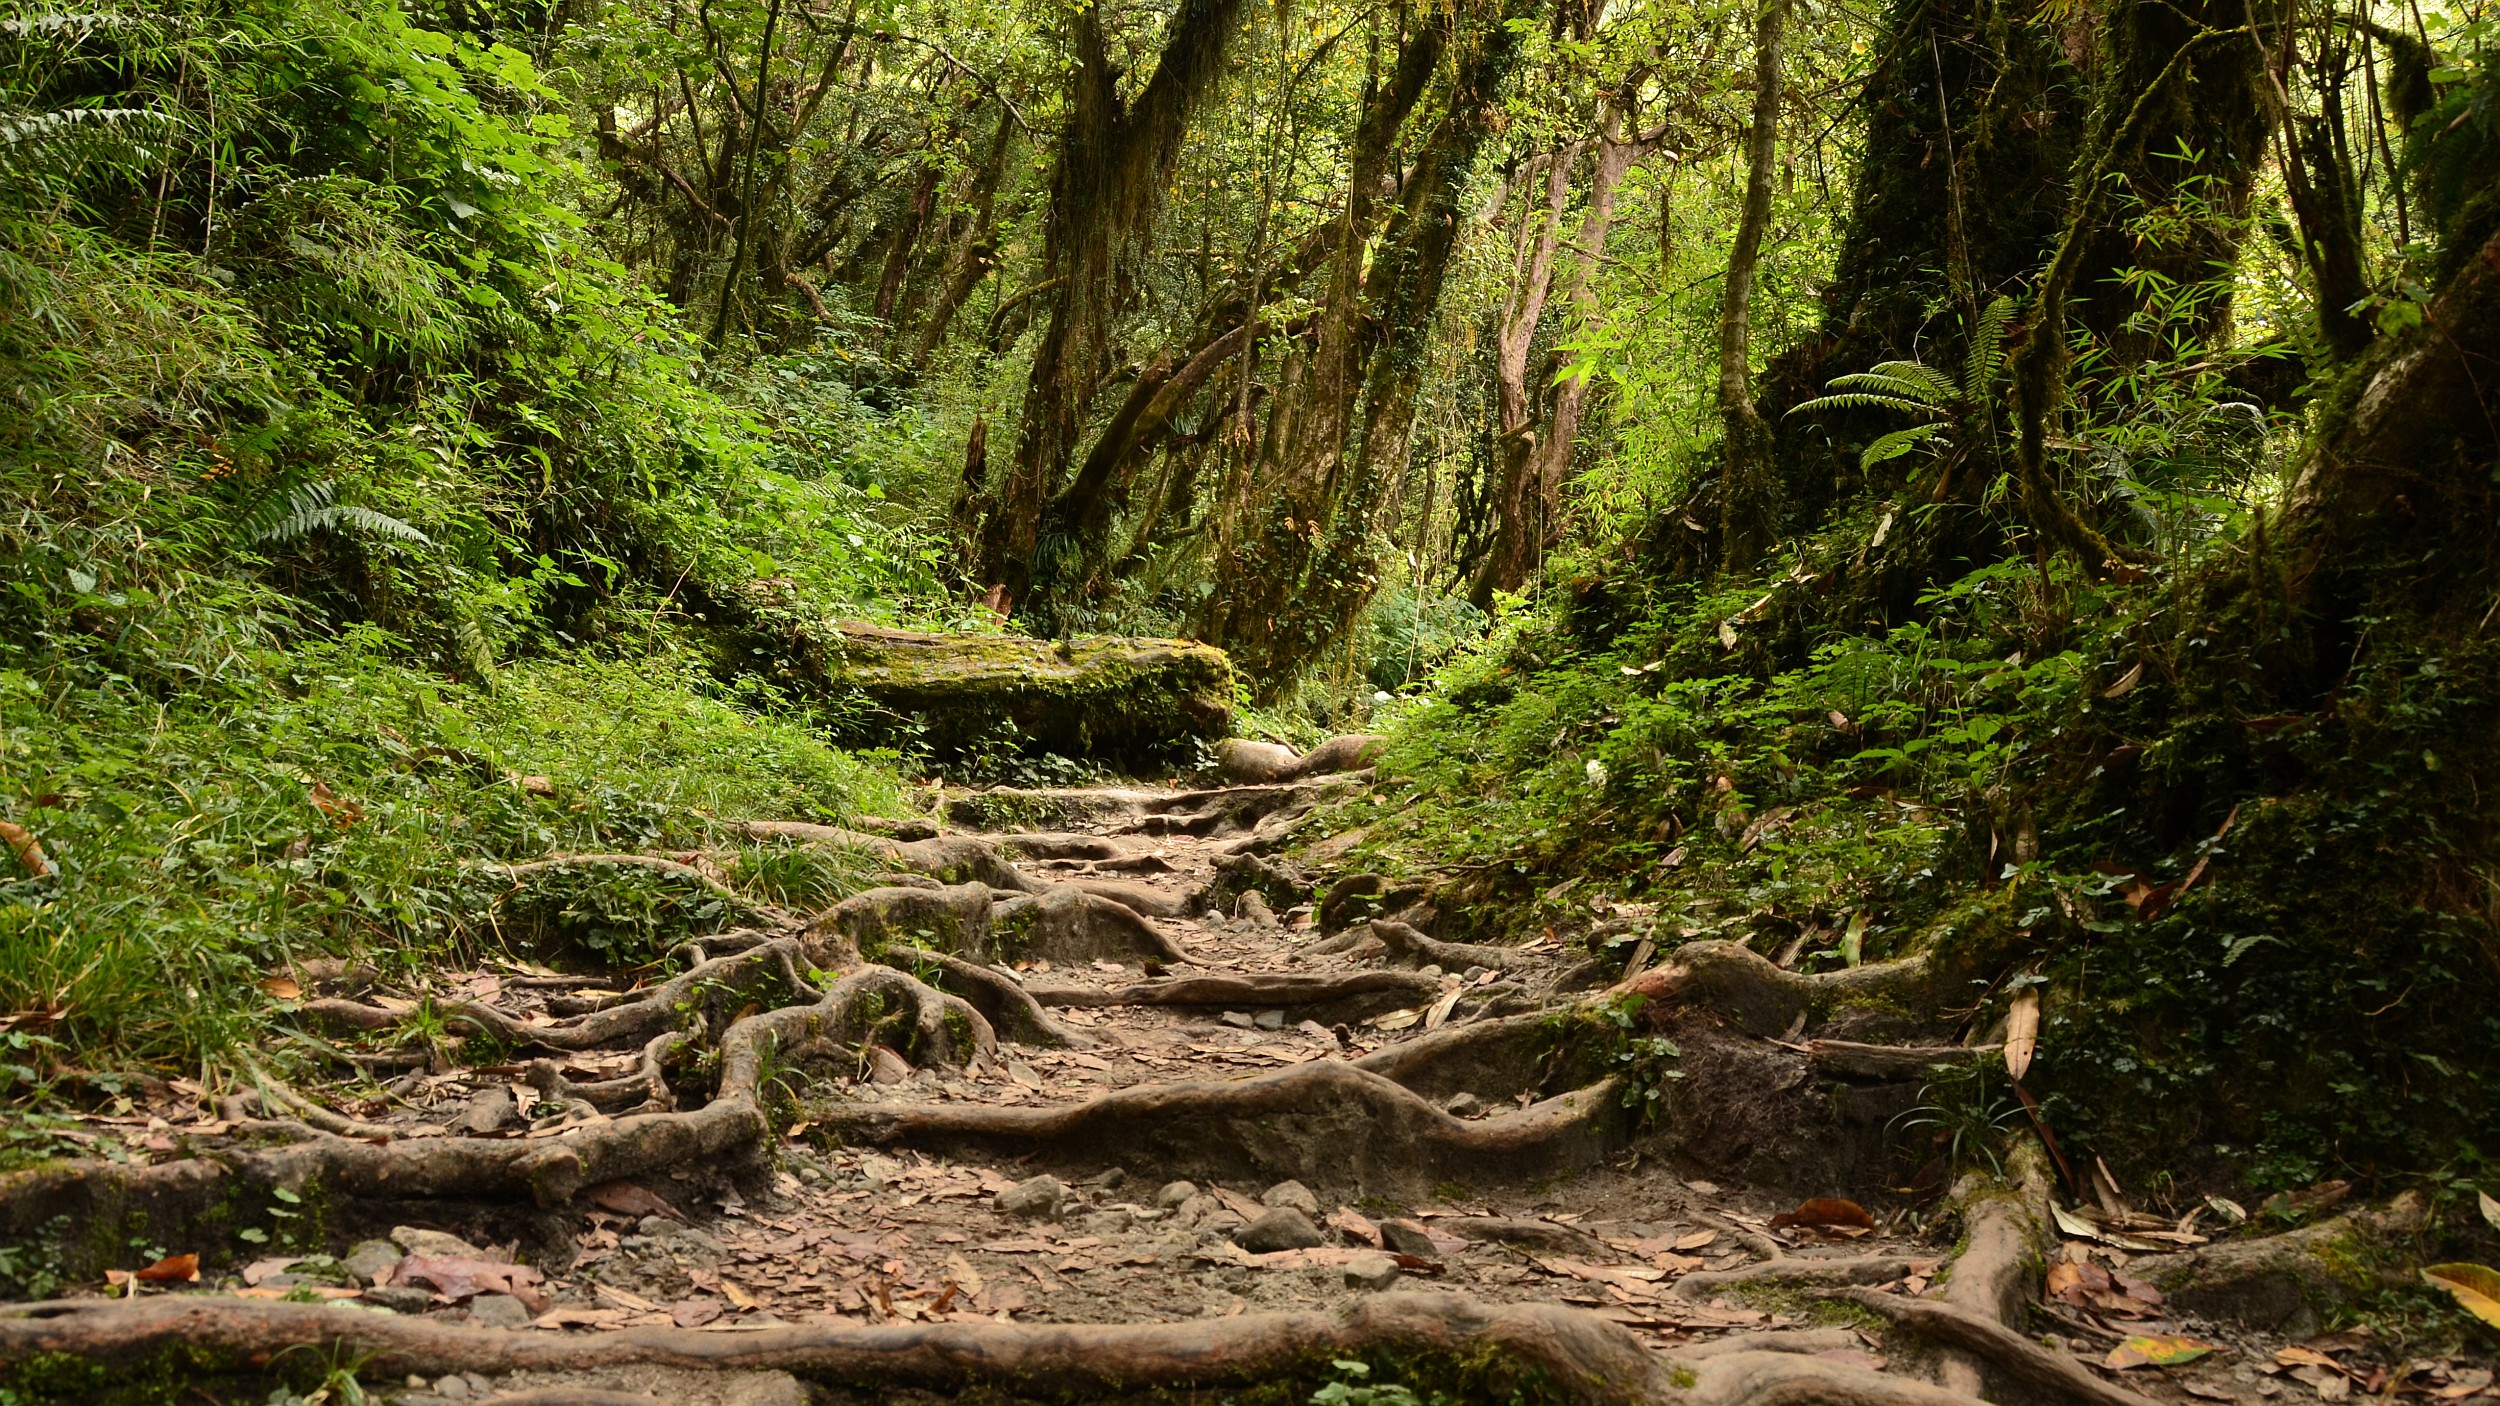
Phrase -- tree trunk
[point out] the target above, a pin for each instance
(1308, 560)
(1747, 511)
(1113, 164)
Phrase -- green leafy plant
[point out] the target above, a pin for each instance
(1916, 388)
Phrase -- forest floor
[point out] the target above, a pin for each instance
(1176, 1161)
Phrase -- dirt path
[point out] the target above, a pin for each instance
(1094, 1076)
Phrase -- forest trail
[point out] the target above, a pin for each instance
(1231, 1142)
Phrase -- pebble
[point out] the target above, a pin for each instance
(433, 1244)
(1283, 1228)
(1270, 1020)
(887, 1067)
(490, 1110)
(1465, 1105)
(1239, 1020)
(1293, 1196)
(1371, 1272)
(1174, 1194)
(499, 1311)
(398, 1298)
(371, 1259)
(1036, 1196)
(1407, 1238)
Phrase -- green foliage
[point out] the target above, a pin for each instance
(1354, 1387)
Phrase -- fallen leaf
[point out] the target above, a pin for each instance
(2475, 1287)
(2022, 1033)
(1696, 1240)
(258, 1270)
(627, 1199)
(342, 812)
(2166, 1350)
(457, 1277)
(694, 1313)
(180, 1269)
(575, 1316)
(1354, 1225)
(285, 988)
(610, 1294)
(739, 1296)
(2126, 683)
(2491, 1208)
(29, 849)
(1824, 1211)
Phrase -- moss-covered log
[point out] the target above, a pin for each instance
(1110, 697)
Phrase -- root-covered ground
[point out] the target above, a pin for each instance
(1082, 1101)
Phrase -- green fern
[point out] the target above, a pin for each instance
(314, 507)
(48, 151)
(1916, 388)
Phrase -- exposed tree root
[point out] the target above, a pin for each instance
(2284, 1283)
(1143, 898)
(712, 983)
(1336, 1128)
(1409, 944)
(1008, 1006)
(1350, 996)
(2027, 1371)
(1061, 844)
(951, 859)
(1790, 1272)
(1761, 998)
(1846, 1059)
(1495, 1351)
(1062, 923)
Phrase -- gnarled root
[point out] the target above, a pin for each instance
(1067, 924)
(1351, 996)
(1409, 944)
(2282, 1283)
(1325, 1123)
(1488, 1351)
(1790, 1272)
(1008, 1006)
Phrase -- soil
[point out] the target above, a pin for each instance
(1426, 1128)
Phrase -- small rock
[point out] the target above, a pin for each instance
(1371, 1272)
(1283, 1228)
(1174, 1194)
(810, 1175)
(1316, 1030)
(1293, 1196)
(490, 1110)
(1474, 972)
(1038, 1196)
(453, 1388)
(1432, 970)
(499, 1311)
(433, 1244)
(1465, 1105)
(887, 1067)
(371, 1260)
(1244, 762)
(398, 1298)
(1107, 1223)
(1253, 909)
(1407, 1238)
(1239, 1020)
(657, 1227)
(1270, 1020)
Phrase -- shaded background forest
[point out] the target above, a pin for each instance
(1848, 476)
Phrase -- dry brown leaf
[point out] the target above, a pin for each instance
(627, 1199)
(171, 1269)
(694, 1313)
(1825, 1211)
(284, 988)
(29, 849)
(2022, 1033)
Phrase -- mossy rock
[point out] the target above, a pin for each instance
(1104, 696)
(1107, 697)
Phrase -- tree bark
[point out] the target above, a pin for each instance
(1113, 163)
(1747, 511)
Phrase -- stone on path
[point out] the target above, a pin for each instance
(1293, 1196)
(1280, 1229)
(1038, 1196)
(1371, 1272)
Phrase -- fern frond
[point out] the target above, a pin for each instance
(313, 507)
(47, 150)
(1882, 384)
(1861, 400)
(1987, 350)
(1896, 444)
(1933, 384)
